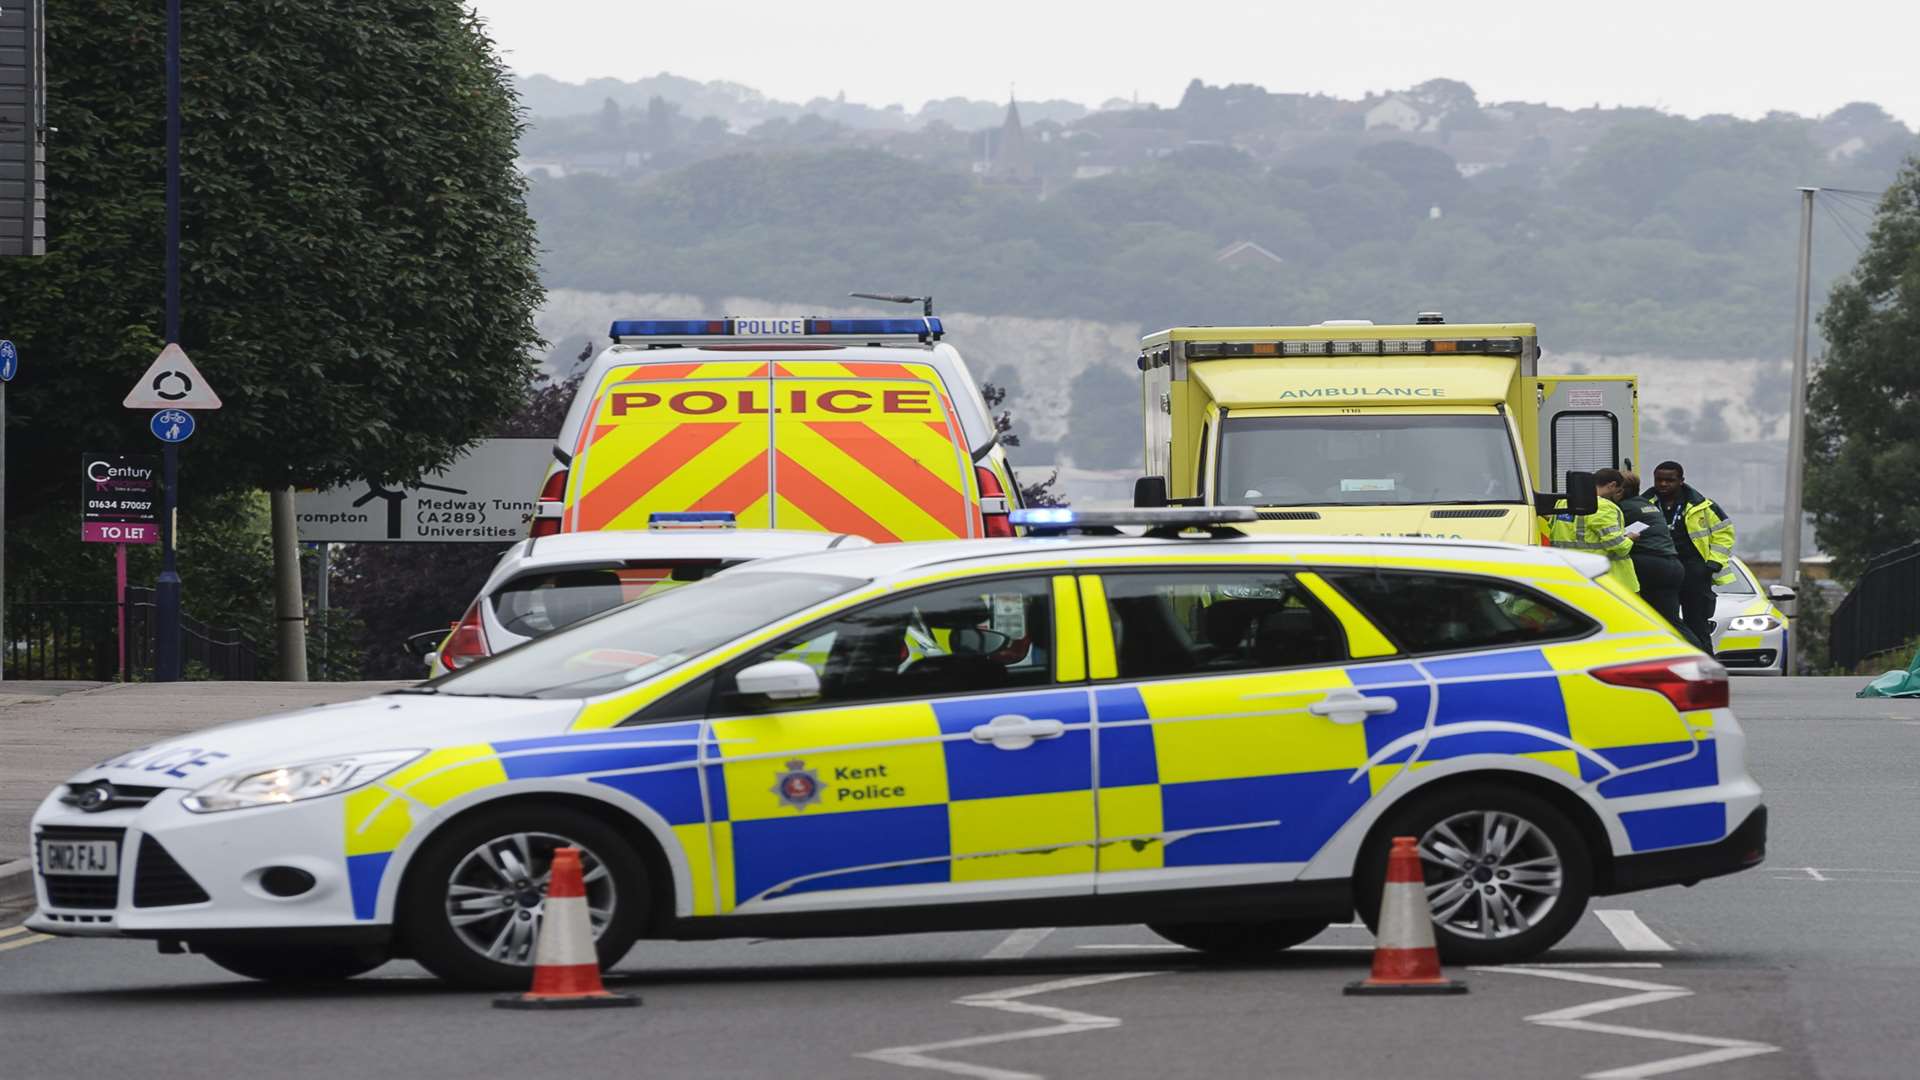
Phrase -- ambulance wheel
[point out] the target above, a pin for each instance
(1228, 941)
(474, 898)
(1507, 874)
(300, 964)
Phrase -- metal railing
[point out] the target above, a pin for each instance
(78, 639)
(1883, 610)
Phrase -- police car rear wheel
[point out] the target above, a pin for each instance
(1507, 874)
(300, 964)
(1227, 941)
(475, 898)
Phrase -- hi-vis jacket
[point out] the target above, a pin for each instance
(1710, 531)
(1602, 532)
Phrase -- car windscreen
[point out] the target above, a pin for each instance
(1382, 459)
(1741, 585)
(542, 601)
(626, 645)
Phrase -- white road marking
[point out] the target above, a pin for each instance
(1632, 934)
(1065, 1022)
(1595, 964)
(23, 942)
(1846, 874)
(1815, 874)
(1643, 993)
(1019, 943)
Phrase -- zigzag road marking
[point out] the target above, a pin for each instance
(1065, 1022)
(1643, 993)
(9, 941)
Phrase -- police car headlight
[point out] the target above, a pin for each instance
(292, 783)
(1753, 624)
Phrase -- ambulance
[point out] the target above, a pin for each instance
(1424, 430)
(867, 426)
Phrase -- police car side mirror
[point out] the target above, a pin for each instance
(1150, 491)
(1782, 597)
(779, 680)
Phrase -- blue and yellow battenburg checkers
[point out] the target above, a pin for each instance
(1203, 771)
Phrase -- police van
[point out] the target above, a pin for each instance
(868, 426)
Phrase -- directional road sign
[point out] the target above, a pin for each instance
(172, 382)
(487, 495)
(9, 361)
(172, 425)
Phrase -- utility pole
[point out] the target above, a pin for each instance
(166, 594)
(290, 620)
(1797, 414)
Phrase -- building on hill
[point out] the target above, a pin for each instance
(1009, 161)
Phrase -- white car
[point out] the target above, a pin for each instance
(1218, 737)
(1750, 629)
(545, 583)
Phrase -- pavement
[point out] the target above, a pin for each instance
(1805, 967)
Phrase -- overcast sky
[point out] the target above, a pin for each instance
(1686, 56)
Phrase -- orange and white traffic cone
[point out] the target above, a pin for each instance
(566, 969)
(1405, 960)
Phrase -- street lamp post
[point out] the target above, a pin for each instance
(167, 592)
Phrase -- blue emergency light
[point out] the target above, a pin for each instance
(923, 328)
(1161, 521)
(666, 519)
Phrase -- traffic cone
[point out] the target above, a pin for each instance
(1405, 960)
(566, 969)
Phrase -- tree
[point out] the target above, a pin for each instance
(359, 274)
(1863, 414)
(1040, 494)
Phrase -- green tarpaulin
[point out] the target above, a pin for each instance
(1896, 683)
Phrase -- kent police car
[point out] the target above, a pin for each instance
(1216, 736)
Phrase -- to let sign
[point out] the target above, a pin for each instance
(120, 498)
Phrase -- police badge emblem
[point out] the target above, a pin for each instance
(799, 786)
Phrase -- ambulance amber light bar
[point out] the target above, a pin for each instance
(1201, 350)
(922, 328)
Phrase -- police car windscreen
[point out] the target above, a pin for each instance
(1375, 460)
(626, 645)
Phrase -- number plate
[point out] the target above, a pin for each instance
(80, 858)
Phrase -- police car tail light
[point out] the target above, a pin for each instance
(467, 643)
(555, 488)
(546, 526)
(994, 519)
(1695, 683)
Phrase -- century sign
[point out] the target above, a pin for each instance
(119, 498)
(485, 496)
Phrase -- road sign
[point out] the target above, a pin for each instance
(172, 382)
(171, 425)
(9, 361)
(489, 495)
(120, 498)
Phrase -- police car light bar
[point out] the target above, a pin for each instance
(691, 519)
(1055, 520)
(925, 328)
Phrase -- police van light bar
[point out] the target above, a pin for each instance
(1054, 520)
(691, 519)
(924, 328)
(1508, 346)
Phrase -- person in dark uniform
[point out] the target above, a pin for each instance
(1703, 537)
(1655, 560)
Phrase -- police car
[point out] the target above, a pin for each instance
(1750, 627)
(545, 584)
(1212, 734)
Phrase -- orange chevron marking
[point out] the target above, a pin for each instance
(825, 505)
(899, 471)
(630, 484)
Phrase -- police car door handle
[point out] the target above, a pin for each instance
(1011, 731)
(1348, 707)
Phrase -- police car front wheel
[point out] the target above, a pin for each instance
(1227, 941)
(474, 899)
(300, 964)
(1507, 873)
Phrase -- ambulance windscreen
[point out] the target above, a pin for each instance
(627, 645)
(1376, 460)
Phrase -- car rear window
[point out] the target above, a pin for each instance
(1430, 613)
(544, 601)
